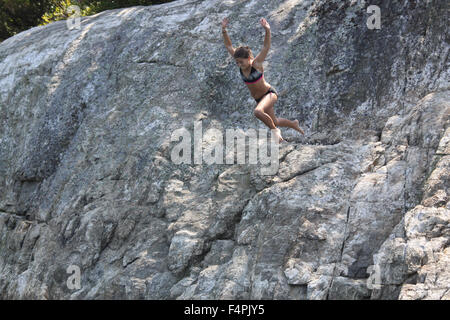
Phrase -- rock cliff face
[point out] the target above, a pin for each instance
(358, 209)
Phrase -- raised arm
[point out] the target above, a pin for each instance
(226, 38)
(265, 50)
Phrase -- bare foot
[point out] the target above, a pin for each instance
(277, 133)
(298, 128)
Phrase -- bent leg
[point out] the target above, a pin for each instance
(281, 122)
(261, 110)
(267, 103)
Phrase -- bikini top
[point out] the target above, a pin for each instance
(253, 77)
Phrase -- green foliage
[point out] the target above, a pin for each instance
(20, 15)
(57, 12)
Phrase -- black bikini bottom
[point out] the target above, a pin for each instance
(269, 91)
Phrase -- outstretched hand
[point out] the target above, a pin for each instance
(264, 23)
(224, 23)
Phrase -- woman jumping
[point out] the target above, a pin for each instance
(252, 73)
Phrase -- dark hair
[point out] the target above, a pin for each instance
(243, 52)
